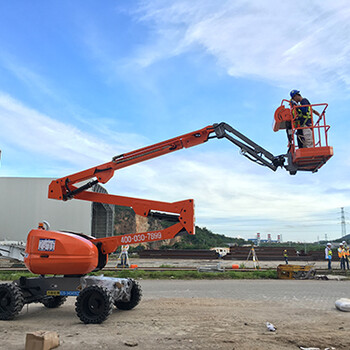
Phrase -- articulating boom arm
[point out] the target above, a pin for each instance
(180, 213)
(249, 148)
(64, 188)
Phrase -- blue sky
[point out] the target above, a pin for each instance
(83, 81)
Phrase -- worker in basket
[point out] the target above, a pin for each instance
(302, 118)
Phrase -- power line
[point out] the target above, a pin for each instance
(343, 222)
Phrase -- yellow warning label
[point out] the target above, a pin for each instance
(53, 292)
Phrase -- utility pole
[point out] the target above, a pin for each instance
(343, 223)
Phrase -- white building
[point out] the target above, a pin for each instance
(24, 203)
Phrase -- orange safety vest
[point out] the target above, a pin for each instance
(341, 253)
(347, 253)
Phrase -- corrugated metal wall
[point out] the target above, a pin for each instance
(24, 203)
(102, 223)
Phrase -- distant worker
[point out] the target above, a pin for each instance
(303, 119)
(346, 254)
(285, 255)
(328, 255)
(341, 255)
(124, 257)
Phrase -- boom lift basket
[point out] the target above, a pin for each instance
(308, 159)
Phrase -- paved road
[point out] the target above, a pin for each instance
(316, 294)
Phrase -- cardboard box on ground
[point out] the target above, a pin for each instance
(42, 340)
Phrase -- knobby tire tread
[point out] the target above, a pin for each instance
(82, 304)
(135, 298)
(11, 301)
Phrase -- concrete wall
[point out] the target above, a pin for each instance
(24, 203)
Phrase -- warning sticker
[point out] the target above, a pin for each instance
(46, 245)
(66, 293)
(53, 292)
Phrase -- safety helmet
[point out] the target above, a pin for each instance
(294, 92)
(329, 244)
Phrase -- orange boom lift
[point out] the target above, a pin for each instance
(68, 258)
(71, 256)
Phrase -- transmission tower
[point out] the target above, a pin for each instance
(343, 223)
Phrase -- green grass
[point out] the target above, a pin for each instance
(11, 276)
(180, 275)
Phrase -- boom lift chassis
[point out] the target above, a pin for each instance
(96, 295)
(61, 254)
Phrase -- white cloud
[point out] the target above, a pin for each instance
(304, 45)
(28, 77)
(35, 133)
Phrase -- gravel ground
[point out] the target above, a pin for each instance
(224, 263)
(229, 314)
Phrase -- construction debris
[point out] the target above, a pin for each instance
(270, 327)
(285, 271)
(343, 304)
(130, 343)
(211, 268)
(12, 249)
(302, 348)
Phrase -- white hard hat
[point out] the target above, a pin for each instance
(329, 243)
(343, 242)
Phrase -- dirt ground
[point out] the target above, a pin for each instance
(187, 323)
(191, 322)
(223, 263)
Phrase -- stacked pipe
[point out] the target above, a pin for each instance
(276, 253)
(236, 253)
(178, 254)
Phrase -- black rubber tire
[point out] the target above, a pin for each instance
(94, 304)
(135, 298)
(11, 301)
(52, 302)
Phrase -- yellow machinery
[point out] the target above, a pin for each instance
(286, 271)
